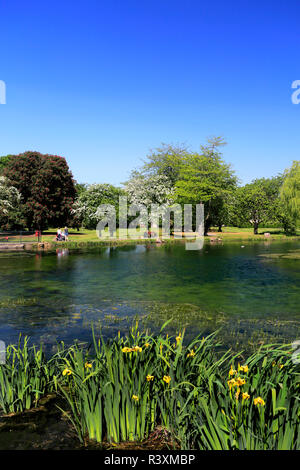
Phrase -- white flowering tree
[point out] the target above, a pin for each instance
(148, 191)
(10, 199)
(87, 206)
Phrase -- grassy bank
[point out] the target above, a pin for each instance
(125, 389)
(228, 233)
(246, 234)
(88, 238)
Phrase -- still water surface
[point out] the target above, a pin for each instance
(246, 290)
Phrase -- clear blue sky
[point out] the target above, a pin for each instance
(102, 82)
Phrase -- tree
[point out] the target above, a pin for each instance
(10, 200)
(147, 190)
(290, 192)
(220, 211)
(262, 202)
(176, 163)
(256, 202)
(279, 211)
(76, 216)
(166, 161)
(206, 178)
(90, 198)
(80, 188)
(151, 189)
(46, 185)
(3, 162)
(285, 218)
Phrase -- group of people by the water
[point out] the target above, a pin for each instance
(62, 235)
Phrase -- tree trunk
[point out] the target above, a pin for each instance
(255, 228)
(207, 224)
(220, 228)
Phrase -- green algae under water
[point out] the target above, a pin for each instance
(251, 293)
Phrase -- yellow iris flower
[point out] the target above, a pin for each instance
(259, 401)
(240, 381)
(191, 354)
(231, 383)
(178, 338)
(245, 396)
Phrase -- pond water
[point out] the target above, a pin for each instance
(251, 292)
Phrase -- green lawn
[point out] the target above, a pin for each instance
(228, 233)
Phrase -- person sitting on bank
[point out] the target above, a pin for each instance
(59, 236)
(66, 234)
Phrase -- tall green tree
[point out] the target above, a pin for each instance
(165, 161)
(279, 210)
(256, 202)
(206, 178)
(290, 192)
